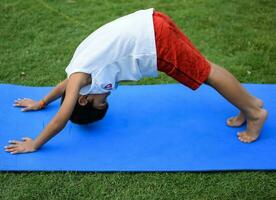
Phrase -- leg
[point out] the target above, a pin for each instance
(251, 107)
(240, 119)
(177, 57)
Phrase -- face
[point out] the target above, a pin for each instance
(98, 100)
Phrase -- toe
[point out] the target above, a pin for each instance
(240, 133)
(235, 121)
(244, 137)
(241, 139)
(230, 121)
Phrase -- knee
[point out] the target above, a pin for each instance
(211, 77)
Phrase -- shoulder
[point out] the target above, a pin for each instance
(79, 79)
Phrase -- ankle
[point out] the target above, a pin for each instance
(259, 103)
(256, 113)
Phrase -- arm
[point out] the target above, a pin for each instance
(56, 92)
(75, 82)
(60, 119)
(30, 104)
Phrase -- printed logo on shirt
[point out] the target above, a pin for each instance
(108, 86)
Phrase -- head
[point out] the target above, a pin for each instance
(88, 108)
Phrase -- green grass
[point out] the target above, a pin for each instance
(39, 38)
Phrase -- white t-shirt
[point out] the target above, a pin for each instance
(123, 49)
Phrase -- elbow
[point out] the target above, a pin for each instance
(59, 124)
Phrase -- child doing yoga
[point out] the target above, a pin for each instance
(129, 48)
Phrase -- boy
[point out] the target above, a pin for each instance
(129, 48)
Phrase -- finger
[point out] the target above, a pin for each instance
(22, 101)
(26, 99)
(13, 145)
(13, 142)
(18, 100)
(10, 146)
(14, 152)
(18, 103)
(9, 149)
(26, 109)
(26, 138)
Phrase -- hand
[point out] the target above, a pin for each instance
(21, 147)
(27, 104)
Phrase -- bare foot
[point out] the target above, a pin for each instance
(254, 127)
(236, 121)
(240, 119)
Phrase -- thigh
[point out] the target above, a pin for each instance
(177, 56)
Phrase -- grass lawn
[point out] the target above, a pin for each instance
(38, 38)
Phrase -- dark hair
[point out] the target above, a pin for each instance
(85, 114)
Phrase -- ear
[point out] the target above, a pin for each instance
(82, 100)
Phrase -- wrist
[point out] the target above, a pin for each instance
(36, 145)
(42, 104)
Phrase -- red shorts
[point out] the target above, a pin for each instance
(176, 55)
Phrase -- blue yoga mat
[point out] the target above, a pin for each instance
(147, 128)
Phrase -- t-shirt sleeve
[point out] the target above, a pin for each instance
(104, 81)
